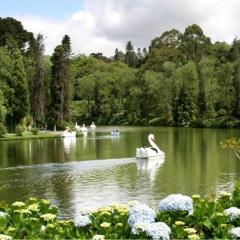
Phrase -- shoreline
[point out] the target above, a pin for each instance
(26, 136)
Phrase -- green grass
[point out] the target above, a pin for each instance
(27, 135)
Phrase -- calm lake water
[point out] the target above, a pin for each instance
(99, 169)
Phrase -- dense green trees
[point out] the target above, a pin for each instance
(10, 28)
(235, 54)
(183, 80)
(2, 108)
(14, 85)
(20, 101)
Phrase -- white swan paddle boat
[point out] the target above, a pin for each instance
(68, 133)
(149, 152)
(83, 128)
(77, 127)
(115, 133)
(93, 126)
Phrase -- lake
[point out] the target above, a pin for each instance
(98, 169)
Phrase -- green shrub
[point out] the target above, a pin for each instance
(79, 134)
(159, 121)
(38, 219)
(35, 131)
(61, 125)
(27, 121)
(20, 129)
(196, 123)
(118, 118)
(3, 130)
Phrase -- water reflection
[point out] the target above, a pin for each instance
(150, 166)
(57, 169)
(115, 140)
(85, 137)
(115, 137)
(69, 143)
(93, 134)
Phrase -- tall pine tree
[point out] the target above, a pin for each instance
(38, 85)
(130, 56)
(19, 99)
(66, 43)
(56, 115)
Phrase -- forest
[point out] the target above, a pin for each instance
(180, 79)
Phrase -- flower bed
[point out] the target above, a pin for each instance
(178, 217)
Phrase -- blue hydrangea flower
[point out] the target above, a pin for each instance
(82, 221)
(235, 232)
(176, 202)
(141, 213)
(233, 213)
(158, 230)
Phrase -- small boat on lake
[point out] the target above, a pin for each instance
(83, 128)
(69, 133)
(149, 152)
(93, 126)
(115, 132)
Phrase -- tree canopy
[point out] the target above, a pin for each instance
(182, 80)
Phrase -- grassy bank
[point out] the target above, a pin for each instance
(40, 135)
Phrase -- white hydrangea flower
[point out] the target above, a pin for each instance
(18, 204)
(48, 217)
(158, 230)
(122, 208)
(225, 194)
(139, 227)
(105, 225)
(194, 237)
(3, 214)
(33, 207)
(233, 213)
(190, 230)
(82, 221)
(235, 232)
(141, 213)
(177, 202)
(98, 237)
(5, 237)
(43, 228)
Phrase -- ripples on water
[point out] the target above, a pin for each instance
(89, 183)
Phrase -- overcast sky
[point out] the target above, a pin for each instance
(103, 25)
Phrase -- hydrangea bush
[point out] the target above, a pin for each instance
(233, 213)
(178, 217)
(176, 202)
(141, 213)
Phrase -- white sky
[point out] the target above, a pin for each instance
(103, 25)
